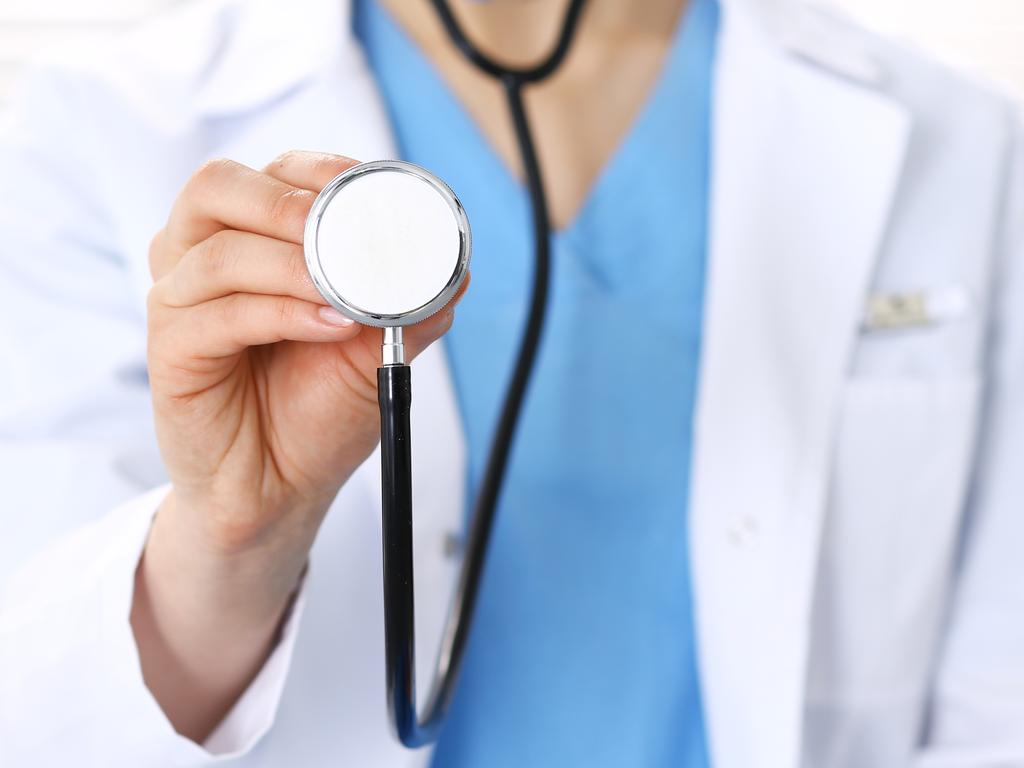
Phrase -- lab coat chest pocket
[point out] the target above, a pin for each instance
(902, 462)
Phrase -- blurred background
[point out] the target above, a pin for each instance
(983, 36)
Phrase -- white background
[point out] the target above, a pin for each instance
(985, 36)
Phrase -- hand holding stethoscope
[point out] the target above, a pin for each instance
(260, 422)
(265, 403)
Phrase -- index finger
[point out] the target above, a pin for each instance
(224, 194)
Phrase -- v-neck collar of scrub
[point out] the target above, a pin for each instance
(682, 41)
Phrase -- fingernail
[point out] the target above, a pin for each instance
(331, 316)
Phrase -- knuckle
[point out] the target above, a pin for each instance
(324, 164)
(157, 315)
(156, 243)
(156, 246)
(154, 302)
(289, 209)
(205, 178)
(211, 170)
(297, 271)
(216, 257)
(284, 311)
(286, 159)
(228, 311)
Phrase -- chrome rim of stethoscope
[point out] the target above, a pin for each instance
(335, 295)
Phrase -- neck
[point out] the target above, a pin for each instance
(521, 32)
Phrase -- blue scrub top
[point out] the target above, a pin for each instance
(583, 650)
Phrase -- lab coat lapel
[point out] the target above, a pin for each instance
(805, 164)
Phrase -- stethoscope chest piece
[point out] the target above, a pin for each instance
(387, 243)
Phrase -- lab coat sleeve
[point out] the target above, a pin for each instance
(76, 436)
(73, 692)
(76, 440)
(977, 713)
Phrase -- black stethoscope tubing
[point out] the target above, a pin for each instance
(394, 388)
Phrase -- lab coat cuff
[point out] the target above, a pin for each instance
(253, 713)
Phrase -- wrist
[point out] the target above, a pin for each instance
(205, 621)
(240, 527)
(189, 569)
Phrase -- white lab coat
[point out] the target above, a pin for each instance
(857, 514)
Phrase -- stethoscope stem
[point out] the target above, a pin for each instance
(395, 395)
(393, 346)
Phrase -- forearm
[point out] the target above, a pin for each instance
(205, 621)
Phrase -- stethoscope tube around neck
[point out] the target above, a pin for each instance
(395, 398)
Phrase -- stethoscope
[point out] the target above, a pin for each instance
(388, 244)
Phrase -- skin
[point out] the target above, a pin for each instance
(244, 355)
(620, 45)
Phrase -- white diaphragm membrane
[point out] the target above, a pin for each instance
(387, 243)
